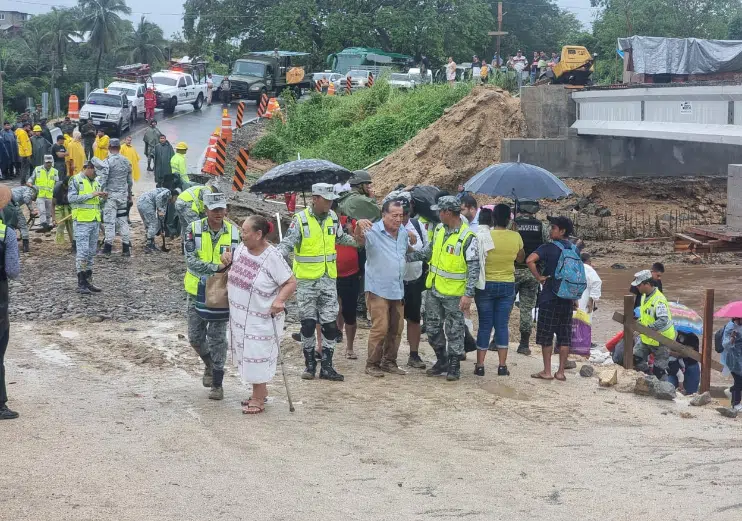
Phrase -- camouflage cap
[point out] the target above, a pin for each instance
(447, 203)
(114, 143)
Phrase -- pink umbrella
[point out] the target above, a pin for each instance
(731, 310)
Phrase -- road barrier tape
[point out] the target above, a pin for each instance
(221, 156)
(370, 79)
(348, 85)
(240, 171)
(263, 105)
(240, 113)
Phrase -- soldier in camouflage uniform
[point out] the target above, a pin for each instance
(312, 237)
(114, 175)
(152, 206)
(23, 195)
(534, 234)
(453, 256)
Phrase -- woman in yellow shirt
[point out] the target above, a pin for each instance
(495, 301)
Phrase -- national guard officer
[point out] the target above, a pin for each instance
(43, 179)
(654, 313)
(116, 180)
(152, 206)
(205, 242)
(23, 195)
(534, 234)
(85, 197)
(313, 234)
(190, 206)
(453, 273)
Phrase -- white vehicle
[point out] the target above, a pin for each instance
(134, 93)
(108, 109)
(358, 80)
(415, 75)
(174, 88)
(402, 80)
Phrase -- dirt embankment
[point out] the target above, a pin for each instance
(457, 146)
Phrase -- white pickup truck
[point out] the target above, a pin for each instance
(134, 93)
(109, 109)
(174, 88)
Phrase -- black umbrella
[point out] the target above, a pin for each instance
(299, 176)
(519, 181)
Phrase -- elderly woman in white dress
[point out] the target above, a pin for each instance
(260, 282)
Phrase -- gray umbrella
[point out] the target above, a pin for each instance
(299, 176)
(519, 181)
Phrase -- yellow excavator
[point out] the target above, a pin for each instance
(574, 68)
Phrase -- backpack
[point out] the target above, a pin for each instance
(570, 273)
(718, 338)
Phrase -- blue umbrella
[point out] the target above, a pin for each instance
(519, 181)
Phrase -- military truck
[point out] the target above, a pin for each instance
(268, 72)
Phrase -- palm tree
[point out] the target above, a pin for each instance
(33, 37)
(145, 43)
(61, 28)
(101, 19)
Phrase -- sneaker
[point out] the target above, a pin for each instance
(478, 370)
(415, 361)
(7, 414)
(374, 371)
(392, 368)
(216, 393)
(524, 351)
(503, 371)
(438, 369)
(339, 339)
(738, 407)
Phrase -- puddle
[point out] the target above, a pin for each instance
(69, 334)
(52, 354)
(503, 391)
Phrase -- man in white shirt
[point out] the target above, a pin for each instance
(414, 285)
(209, 88)
(591, 295)
(519, 64)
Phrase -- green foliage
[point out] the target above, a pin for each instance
(145, 44)
(356, 130)
(734, 31)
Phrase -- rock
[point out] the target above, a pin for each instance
(726, 411)
(608, 378)
(664, 391)
(570, 364)
(686, 415)
(703, 208)
(95, 319)
(602, 211)
(181, 336)
(701, 399)
(587, 370)
(645, 385)
(618, 266)
(583, 202)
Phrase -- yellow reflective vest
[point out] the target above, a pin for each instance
(44, 181)
(448, 263)
(316, 255)
(647, 316)
(89, 211)
(207, 251)
(428, 225)
(194, 196)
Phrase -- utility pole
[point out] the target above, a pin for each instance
(499, 33)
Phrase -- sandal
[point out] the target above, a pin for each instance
(245, 403)
(251, 408)
(559, 377)
(351, 355)
(539, 376)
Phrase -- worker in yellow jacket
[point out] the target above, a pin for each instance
(178, 164)
(22, 136)
(100, 148)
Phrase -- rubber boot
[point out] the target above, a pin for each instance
(523, 348)
(82, 286)
(107, 249)
(327, 372)
(440, 367)
(127, 250)
(207, 379)
(150, 246)
(217, 391)
(25, 246)
(74, 247)
(89, 282)
(310, 362)
(454, 368)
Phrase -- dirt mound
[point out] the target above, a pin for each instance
(457, 146)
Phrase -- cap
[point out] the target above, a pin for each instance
(215, 200)
(48, 158)
(325, 191)
(401, 196)
(37, 128)
(528, 206)
(88, 163)
(360, 177)
(447, 203)
(563, 223)
(642, 276)
(114, 143)
(181, 146)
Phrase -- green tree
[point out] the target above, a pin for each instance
(101, 20)
(145, 43)
(61, 26)
(734, 31)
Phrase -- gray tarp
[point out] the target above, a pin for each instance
(655, 55)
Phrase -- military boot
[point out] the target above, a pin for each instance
(25, 246)
(107, 247)
(82, 286)
(127, 250)
(217, 391)
(150, 246)
(523, 348)
(208, 377)
(440, 367)
(310, 362)
(89, 282)
(454, 367)
(74, 247)
(327, 372)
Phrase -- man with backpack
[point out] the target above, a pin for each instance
(563, 279)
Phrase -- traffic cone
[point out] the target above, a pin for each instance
(331, 89)
(74, 108)
(210, 163)
(273, 108)
(226, 126)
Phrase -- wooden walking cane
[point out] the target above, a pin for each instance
(283, 369)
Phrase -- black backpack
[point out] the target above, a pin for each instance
(718, 337)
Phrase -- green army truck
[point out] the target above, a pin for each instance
(268, 72)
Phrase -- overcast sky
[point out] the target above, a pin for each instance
(169, 13)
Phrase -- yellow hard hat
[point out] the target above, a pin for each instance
(181, 146)
(37, 128)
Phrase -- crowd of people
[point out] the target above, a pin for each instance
(526, 71)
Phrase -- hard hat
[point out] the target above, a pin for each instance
(360, 177)
(181, 146)
(37, 128)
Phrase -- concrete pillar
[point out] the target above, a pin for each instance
(734, 197)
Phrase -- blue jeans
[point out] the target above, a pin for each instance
(494, 304)
(691, 380)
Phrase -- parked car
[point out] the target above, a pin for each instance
(402, 80)
(332, 77)
(358, 80)
(108, 109)
(134, 93)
